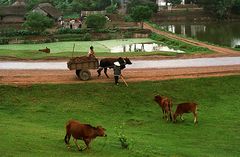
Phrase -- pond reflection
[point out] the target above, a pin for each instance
(225, 34)
(143, 47)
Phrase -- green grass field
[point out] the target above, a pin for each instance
(33, 118)
(80, 46)
(65, 49)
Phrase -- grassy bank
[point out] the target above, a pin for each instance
(33, 118)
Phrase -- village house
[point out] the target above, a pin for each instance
(14, 13)
(48, 10)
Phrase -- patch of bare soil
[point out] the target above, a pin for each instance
(28, 77)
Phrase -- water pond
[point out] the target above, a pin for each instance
(143, 47)
(224, 33)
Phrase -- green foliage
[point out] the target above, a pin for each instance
(175, 2)
(4, 41)
(128, 18)
(96, 21)
(37, 22)
(236, 7)
(141, 13)
(221, 8)
(112, 9)
(14, 32)
(178, 44)
(123, 139)
(133, 3)
(72, 31)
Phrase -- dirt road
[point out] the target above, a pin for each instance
(25, 77)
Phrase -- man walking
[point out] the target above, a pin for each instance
(117, 72)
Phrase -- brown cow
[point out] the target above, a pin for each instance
(83, 132)
(46, 50)
(166, 105)
(186, 107)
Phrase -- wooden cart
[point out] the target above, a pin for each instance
(82, 66)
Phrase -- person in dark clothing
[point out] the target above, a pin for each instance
(116, 71)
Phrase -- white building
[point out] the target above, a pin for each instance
(163, 4)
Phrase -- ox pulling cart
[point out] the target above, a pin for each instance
(82, 66)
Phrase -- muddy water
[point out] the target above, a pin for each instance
(173, 63)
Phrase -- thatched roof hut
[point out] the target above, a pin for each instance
(48, 10)
(12, 14)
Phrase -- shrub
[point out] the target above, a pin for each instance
(112, 9)
(4, 41)
(37, 22)
(123, 139)
(96, 21)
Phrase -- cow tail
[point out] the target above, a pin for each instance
(68, 135)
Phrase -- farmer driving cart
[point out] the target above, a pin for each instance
(91, 52)
(82, 64)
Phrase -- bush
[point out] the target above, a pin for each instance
(112, 9)
(96, 21)
(37, 22)
(72, 31)
(14, 32)
(4, 41)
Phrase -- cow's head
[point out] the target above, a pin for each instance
(101, 131)
(157, 98)
(127, 61)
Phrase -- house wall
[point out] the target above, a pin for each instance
(12, 19)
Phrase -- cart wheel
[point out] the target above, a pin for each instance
(85, 74)
(78, 73)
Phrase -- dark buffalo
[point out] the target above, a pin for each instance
(109, 63)
(83, 132)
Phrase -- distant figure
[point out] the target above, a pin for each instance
(91, 52)
(46, 50)
(72, 22)
(117, 72)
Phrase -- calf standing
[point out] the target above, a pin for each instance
(166, 105)
(83, 132)
(186, 108)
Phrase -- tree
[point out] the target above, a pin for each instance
(141, 13)
(133, 3)
(220, 8)
(37, 22)
(96, 21)
(236, 7)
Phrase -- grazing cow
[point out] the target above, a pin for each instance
(83, 132)
(186, 107)
(166, 105)
(109, 63)
(46, 50)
